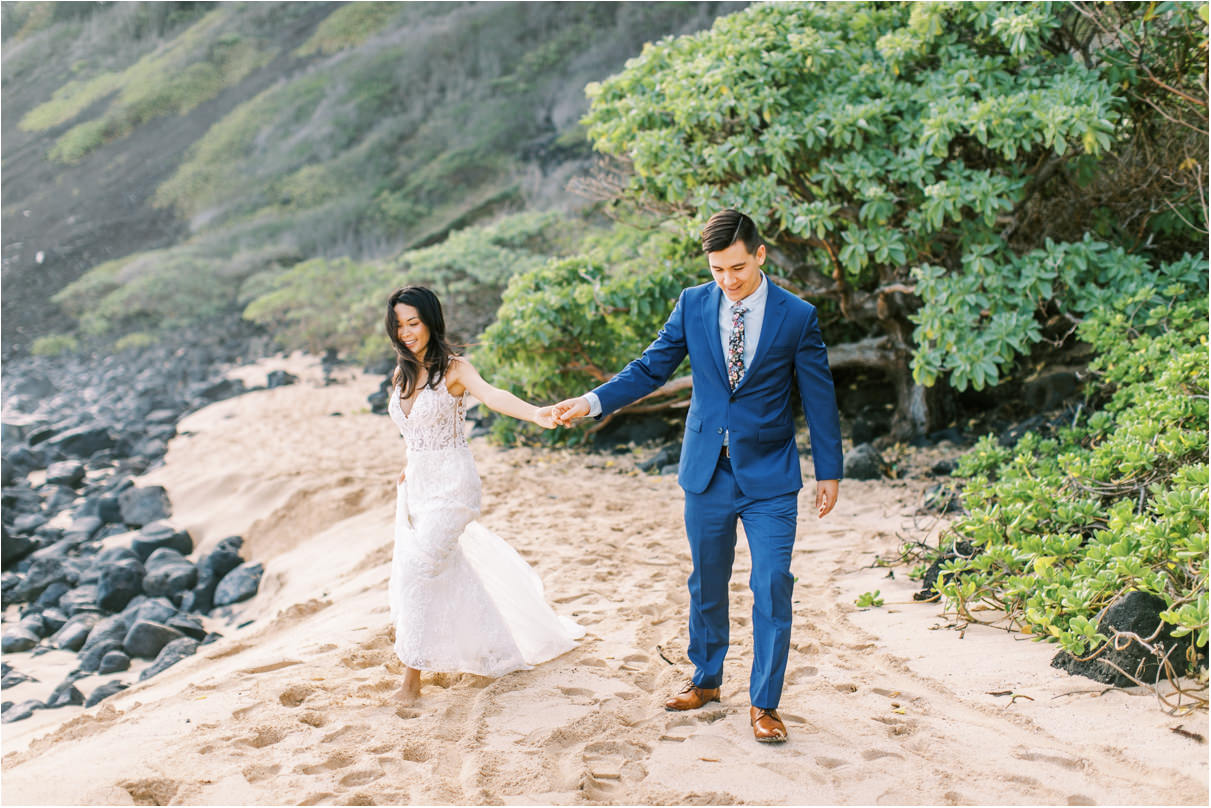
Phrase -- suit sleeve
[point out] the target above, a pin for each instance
(645, 374)
(819, 398)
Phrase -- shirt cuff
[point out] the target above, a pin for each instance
(594, 404)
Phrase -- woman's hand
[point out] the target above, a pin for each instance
(400, 481)
(545, 417)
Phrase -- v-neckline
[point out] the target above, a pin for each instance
(400, 398)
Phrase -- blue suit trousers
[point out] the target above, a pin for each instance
(769, 524)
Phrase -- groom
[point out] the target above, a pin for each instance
(750, 344)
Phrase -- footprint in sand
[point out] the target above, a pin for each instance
(897, 727)
(359, 660)
(313, 718)
(296, 695)
(875, 754)
(607, 764)
(1044, 757)
(830, 763)
(407, 713)
(263, 736)
(240, 713)
(273, 666)
(151, 791)
(360, 777)
(349, 733)
(580, 696)
(257, 772)
(333, 762)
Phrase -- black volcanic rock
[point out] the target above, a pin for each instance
(81, 599)
(173, 653)
(146, 639)
(280, 378)
(142, 506)
(863, 463)
(17, 639)
(160, 534)
(169, 574)
(224, 557)
(107, 629)
(114, 662)
(21, 711)
(66, 472)
(15, 547)
(73, 633)
(41, 574)
(65, 694)
(239, 584)
(84, 442)
(105, 691)
(120, 581)
(1135, 613)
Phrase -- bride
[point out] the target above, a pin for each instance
(461, 598)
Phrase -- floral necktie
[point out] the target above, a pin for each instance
(735, 346)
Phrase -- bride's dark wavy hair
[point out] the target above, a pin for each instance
(437, 353)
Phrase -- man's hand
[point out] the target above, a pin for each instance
(568, 410)
(826, 496)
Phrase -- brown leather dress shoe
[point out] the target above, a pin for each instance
(691, 698)
(767, 726)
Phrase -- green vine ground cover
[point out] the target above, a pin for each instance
(1064, 523)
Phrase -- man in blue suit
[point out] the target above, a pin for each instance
(750, 343)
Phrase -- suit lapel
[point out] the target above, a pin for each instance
(710, 330)
(775, 313)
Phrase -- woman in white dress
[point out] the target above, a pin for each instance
(461, 598)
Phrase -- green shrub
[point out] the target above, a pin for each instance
(135, 340)
(54, 344)
(192, 68)
(1115, 502)
(349, 26)
(571, 323)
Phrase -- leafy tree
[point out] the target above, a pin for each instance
(571, 323)
(890, 152)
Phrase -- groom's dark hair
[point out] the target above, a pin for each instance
(727, 227)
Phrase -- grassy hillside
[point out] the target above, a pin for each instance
(175, 158)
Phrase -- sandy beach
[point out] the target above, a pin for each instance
(892, 705)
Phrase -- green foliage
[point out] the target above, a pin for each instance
(1115, 502)
(214, 53)
(874, 142)
(868, 600)
(54, 344)
(348, 26)
(973, 324)
(320, 304)
(135, 341)
(568, 325)
(162, 289)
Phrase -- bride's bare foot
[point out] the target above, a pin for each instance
(409, 692)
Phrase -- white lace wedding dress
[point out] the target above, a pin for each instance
(461, 598)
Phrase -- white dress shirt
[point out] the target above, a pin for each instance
(754, 316)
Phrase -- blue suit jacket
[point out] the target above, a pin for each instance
(757, 414)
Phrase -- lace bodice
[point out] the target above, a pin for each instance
(436, 421)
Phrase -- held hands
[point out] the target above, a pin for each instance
(561, 414)
(570, 409)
